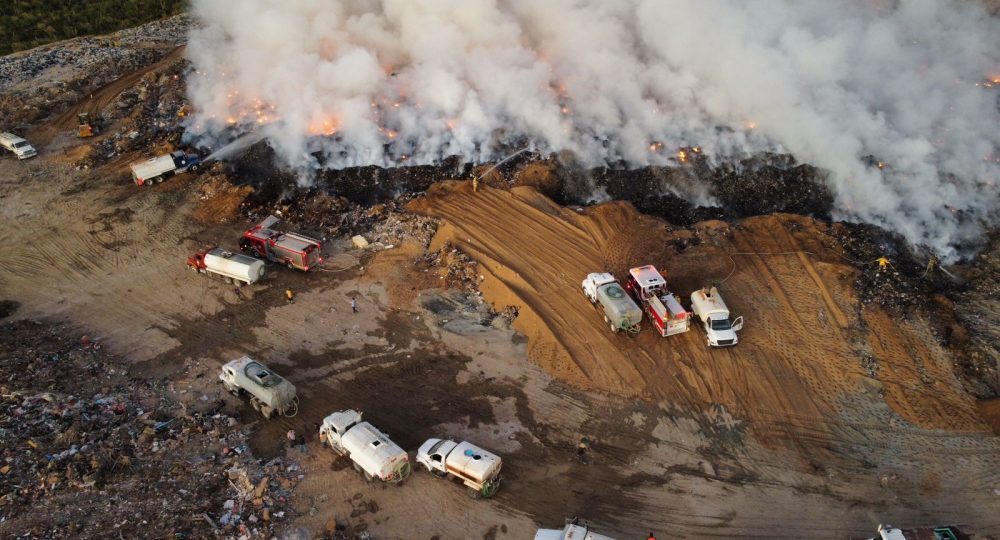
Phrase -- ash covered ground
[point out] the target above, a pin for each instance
(855, 383)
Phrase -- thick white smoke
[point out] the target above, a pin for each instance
(841, 85)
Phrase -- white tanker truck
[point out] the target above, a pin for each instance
(373, 454)
(228, 265)
(270, 394)
(620, 312)
(478, 469)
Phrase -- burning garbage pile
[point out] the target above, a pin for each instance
(90, 452)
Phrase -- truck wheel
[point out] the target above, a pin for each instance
(357, 468)
(368, 477)
(194, 168)
(255, 403)
(289, 265)
(267, 411)
(613, 328)
(473, 493)
(148, 182)
(159, 179)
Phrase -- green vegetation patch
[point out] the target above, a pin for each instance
(25, 24)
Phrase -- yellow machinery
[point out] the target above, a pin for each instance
(86, 129)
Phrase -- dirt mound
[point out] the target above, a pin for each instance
(540, 175)
(807, 340)
(219, 200)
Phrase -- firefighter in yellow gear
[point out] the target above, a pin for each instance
(883, 263)
(290, 294)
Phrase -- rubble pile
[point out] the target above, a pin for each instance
(393, 225)
(311, 210)
(87, 451)
(53, 77)
(219, 200)
(148, 115)
(455, 269)
(896, 283)
(975, 334)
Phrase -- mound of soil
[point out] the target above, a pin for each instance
(806, 334)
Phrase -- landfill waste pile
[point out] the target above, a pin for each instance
(83, 64)
(89, 451)
(146, 117)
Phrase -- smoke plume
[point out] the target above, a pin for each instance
(895, 99)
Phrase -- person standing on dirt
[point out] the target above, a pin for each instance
(290, 295)
(354, 305)
(581, 449)
(651, 537)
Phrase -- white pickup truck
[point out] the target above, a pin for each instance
(372, 452)
(21, 148)
(709, 308)
(478, 469)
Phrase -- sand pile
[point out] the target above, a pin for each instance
(808, 343)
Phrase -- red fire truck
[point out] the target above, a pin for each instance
(291, 249)
(648, 288)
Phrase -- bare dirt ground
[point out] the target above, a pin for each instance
(792, 434)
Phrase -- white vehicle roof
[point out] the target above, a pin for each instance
(473, 462)
(255, 371)
(441, 446)
(647, 276)
(341, 419)
(570, 532)
(888, 532)
(600, 278)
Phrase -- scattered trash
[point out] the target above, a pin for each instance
(359, 241)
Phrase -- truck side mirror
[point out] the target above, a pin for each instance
(738, 324)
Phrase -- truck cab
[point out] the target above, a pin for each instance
(290, 249)
(711, 310)
(335, 425)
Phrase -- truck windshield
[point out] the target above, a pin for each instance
(21, 144)
(721, 324)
